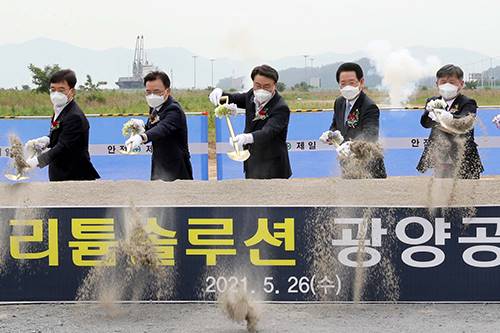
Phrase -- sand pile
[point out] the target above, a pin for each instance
(464, 124)
(323, 257)
(238, 306)
(459, 125)
(393, 191)
(360, 163)
(18, 163)
(137, 273)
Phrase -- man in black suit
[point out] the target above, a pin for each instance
(355, 116)
(68, 142)
(450, 154)
(266, 125)
(166, 129)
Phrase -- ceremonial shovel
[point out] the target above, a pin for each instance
(16, 178)
(131, 129)
(128, 151)
(236, 155)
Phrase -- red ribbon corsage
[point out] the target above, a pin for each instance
(54, 125)
(260, 115)
(353, 118)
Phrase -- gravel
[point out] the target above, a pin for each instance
(139, 318)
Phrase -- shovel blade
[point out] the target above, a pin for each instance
(126, 152)
(16, 178)
(239, 156)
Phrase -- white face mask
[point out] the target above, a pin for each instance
(155, 101)
(262, 96)
(448, 91)
(58, 99)
(350, 92)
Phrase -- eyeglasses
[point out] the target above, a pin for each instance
(61, 90)
(154, 92)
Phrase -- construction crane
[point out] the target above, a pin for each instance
(140, 68)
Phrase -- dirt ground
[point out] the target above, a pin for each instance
(139, 318)
(393, 191)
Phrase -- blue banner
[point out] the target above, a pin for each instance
(401, 135)
(105, 142)
(281, 253)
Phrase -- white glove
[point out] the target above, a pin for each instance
(38, 144)
(331, 138)
(496, 120)
(139, 123)
(32, 163)
(241, 139)
(432, 115)
(215, 96)
(344, 149)
(134, 142)
(326, 137)
(444, 117)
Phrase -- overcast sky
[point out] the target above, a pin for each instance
(256, 29)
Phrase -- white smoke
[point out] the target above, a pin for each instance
(400, 71)
(241, 43)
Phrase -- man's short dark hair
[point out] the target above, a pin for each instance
(450, 70)
(157, 75)
(350, 67)
(64, 75)
(266, 71)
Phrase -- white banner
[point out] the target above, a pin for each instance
(387, 143)
(114, 149)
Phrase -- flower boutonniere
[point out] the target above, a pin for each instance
(353, 118)
(261, 115)
(454, 109)
(153, 119)
(54, 125)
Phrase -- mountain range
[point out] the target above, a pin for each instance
(110, 64)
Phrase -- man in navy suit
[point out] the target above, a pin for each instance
(451, 155)
(167, 129)
(67, 146)
(266, 125)
(355, 116)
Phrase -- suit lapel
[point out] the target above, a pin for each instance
(251, 115)
(268, 108)
(455, 103)
(358, 102)
(356, 106)
(154, 114)
(60, 118)
(340, 114)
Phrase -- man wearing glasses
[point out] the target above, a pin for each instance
(66, 149)
(166, 129)
(266, 125)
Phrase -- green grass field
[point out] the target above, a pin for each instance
(27, 103)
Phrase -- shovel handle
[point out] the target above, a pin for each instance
(231, 132)
(225, 100)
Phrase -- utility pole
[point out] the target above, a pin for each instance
(492, 80)
(194, 71)
(482, 75)
(212, 61)
(305, 67)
